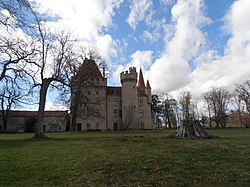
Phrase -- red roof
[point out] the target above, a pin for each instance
(141, 83)
(89, 69)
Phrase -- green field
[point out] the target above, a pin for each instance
(134, 158)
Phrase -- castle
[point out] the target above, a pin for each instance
(96, 106)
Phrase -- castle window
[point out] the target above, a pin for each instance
(141, 103)
(141, 114)
(142, 125)
(88, 126)
(87, 111)
(97, 125)
(97, 92)
(115, 102)
(115, 113)
(120, 113)
(114, 92)
(97, 112)
(89, 92)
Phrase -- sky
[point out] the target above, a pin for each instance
(181, 45)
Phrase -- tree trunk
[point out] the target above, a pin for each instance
(5, 115)
(169, 122)
(191, 129)
(5, 122)
(74, 109)
(209, 116)
(39, 133)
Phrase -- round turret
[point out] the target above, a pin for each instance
(129, 76)
(129, 99)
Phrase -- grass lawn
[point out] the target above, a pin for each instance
(134, 158)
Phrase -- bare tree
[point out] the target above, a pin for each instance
(75, 95)
(194, 110)
(238, 103)
(190, 126)
(185, 105)
(43, 56)
(168, 112)
(84, 103)
(16, 11)
(15, 53)
(56, 54)
(156, 109)
(243, 91)
(208, 106)
(219, 98)
(10, 97)
(16, 47)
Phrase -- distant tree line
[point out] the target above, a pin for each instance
(218, 107)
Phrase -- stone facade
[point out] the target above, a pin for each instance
(54, 121)
(96, 106)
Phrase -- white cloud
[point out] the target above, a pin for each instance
(106, 47)
(139, 59)
(211, 69)
(86, 19)
(188, 39)
(234, 66)
(151, 36)
(171, 71)
(155, 28)
(168, 74)
(238, 26)
(138, 11)
(167, 2)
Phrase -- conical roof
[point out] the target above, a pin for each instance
(148, 85)
(89, 69)
(141, 83)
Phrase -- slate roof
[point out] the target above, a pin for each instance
(141, 83)
(89, 69)
(148, 85)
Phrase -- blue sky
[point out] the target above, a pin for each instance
(189, 45)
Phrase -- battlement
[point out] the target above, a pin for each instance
(129, 75)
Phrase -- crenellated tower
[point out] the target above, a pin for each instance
(129, 99)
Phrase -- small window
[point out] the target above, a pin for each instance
(88, 111)
(115, 113)
(114, 92)
(142, 125)
(115, 102)
(89, 92)
(97, 93)
(120, 113)
(97, 112)
(97, 125)
(140, 102)
(88, 126)
(141, 114)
